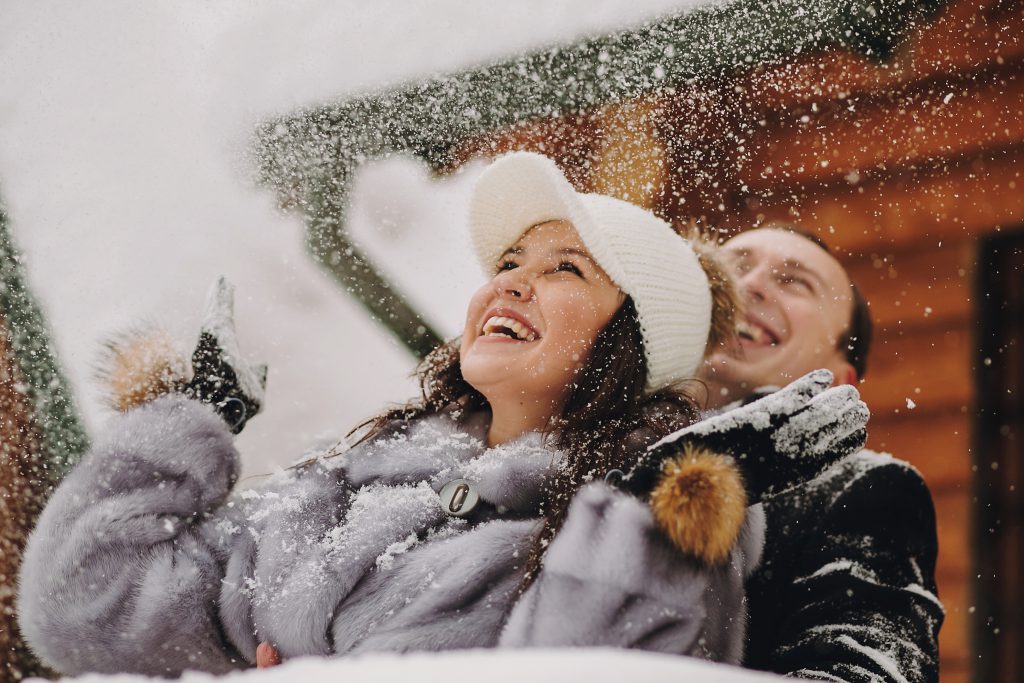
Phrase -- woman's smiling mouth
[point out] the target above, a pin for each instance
(508, 327)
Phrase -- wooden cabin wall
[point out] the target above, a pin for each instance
(920, 390)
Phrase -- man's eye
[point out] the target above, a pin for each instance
(799, 282)
(738, 263)
(568, 267)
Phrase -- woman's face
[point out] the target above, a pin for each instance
(529, 329)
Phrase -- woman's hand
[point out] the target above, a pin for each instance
(266, 656)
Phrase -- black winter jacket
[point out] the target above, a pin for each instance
(846, 590)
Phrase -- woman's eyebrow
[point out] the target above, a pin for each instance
(572, 251)
(567, 251)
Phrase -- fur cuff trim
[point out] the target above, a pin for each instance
(139, 365)
(700, 503)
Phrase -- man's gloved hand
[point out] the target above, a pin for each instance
(221, 377)
(785, 438)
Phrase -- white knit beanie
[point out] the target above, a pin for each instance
(641, 253)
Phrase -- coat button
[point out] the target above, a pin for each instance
(458, 498)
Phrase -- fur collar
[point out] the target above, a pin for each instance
(440, 448)
(396, 477)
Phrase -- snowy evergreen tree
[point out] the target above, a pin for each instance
(41, 437)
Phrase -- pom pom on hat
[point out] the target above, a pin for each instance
(641, 253)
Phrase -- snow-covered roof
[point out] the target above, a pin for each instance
(310, 156)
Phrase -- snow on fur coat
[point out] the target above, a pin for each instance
(142, 563)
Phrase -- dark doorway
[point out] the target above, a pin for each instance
(998, 534)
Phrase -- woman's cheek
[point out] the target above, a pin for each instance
(474, 310)
(574, 342)
(589, 321)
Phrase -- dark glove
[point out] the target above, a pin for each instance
(778, 441)
(221, 377)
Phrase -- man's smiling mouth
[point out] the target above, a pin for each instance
(758, 334)
(500, 326)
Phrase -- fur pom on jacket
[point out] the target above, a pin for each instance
(145, 561)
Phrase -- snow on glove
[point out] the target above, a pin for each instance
(221, 377)
(780, 440)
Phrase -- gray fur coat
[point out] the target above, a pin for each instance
(145, 561)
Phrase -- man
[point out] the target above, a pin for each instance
(846, 589)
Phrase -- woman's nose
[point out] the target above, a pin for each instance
(513, 284)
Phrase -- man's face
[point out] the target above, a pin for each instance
(799, 304)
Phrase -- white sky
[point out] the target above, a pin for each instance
(121, 126)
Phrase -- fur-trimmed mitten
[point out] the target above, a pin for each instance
(144, 363)
(610, 579)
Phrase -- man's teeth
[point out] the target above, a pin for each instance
(498, 325)
(754, 333)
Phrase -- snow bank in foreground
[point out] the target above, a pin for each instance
(563, 666)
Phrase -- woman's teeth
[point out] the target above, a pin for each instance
(500, 326)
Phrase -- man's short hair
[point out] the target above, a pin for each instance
(855, 342)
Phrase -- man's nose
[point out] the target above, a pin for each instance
(756, 284)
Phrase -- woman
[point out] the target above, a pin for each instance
(485, 515)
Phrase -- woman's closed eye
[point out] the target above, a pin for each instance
(562, 267)
(569, 267)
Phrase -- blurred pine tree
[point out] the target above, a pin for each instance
(41, 437)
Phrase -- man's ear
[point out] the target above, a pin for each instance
(844, 373)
